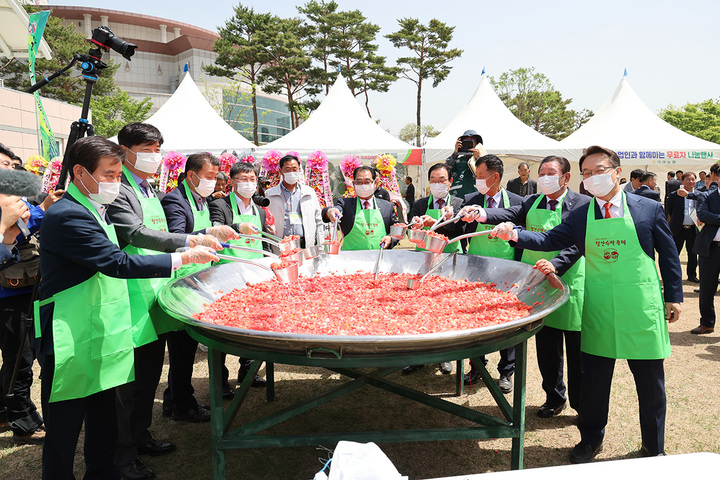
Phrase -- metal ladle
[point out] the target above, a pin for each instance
(437, 245)
(333, 248)
(288, 274)
(377, 262)
(414, 283)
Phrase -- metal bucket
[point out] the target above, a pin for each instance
(312, 252)
(417, 237)
(434, 244)
(397, 231)
(288, 246)
(332, 248)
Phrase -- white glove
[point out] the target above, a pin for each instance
(505, 231)
(199, 254)
(473, 213)
(247, 228)
(222, 233)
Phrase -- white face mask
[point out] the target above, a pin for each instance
(246, 189)
(147, 162)
(549, 184)
(438, 190)
(599, 185)
(482, 186)
(291, 177)
(365, 191)
(205, 187)
(107, 191)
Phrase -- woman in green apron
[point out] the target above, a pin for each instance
(625, 313)
(83, 317)
(364, 220)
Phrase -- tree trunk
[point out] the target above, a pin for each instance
(419, 104)
(254, 109)
(367, 102)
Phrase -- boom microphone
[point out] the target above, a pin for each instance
(22, 184)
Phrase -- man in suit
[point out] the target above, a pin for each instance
(410, 192)
(426, 211)
(538, 213)
(294, 206)
(84, 292)
(648, 182)
(522, 185)
(671, 185)
(619, 235)
(239, 211)
(700, 185)
(364, 220)
(634, 182)
(680, 210)
(707, 246)
(187, 212)
(488, 182)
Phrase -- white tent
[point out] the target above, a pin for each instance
(340, 126)
(625, 124)
(14, 32)
(189, 124)
(502, 132)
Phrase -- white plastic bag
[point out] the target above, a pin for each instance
(361, 461)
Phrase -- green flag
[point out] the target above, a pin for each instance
(36, 27)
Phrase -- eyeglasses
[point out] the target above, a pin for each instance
(597, 171)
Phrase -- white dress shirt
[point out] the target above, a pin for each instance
(616, 210)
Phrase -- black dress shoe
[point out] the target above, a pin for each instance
(584, 452)
(693, 279)
(136, 470)
(411, 369)
(445, 368)
(167, 412)
(258, 381)
(546, 411)
(227, 391)
(472, 377)
(198, 414)
(156, 448)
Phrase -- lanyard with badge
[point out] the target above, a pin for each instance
(295, 217)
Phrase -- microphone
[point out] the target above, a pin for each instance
(19, 183)
(260, 200)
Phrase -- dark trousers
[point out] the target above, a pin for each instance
(709, 271)
(686, 236)
(181, 354)
(245, 364)
(20, 411)
(549, 345)
(649, 378)
(63, 421)
(135, 401)
(506, 365)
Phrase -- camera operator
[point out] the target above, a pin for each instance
(468, 148)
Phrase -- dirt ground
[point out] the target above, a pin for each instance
(693, 419)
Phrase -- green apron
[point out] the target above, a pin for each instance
(201, 219)
(91, 327)
(367, 231)
(243, 242)
(435, 214)
(624, 311)
(569, 316)
(491, 247)
(463, 178)
(144, 291)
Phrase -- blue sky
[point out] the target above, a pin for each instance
(670, 49)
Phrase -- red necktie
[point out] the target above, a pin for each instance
(490, 202)
(366, 205)
(607, 206)
(553, 204)
(440, 203)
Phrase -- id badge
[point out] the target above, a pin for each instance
(295, 219)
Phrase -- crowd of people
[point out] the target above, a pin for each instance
(111, 242)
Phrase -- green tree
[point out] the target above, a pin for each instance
(318, 33)
(64, 42)
(111, 112)
(428, 45)
(242, 52)
(286, 72)
(534, 100)
(408, 134)
(699, 119)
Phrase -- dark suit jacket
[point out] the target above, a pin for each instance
(515, 184)
(410, 195)
(652, 229)
(675, 208)
(73, 247)
(127, 216)
(479, 199)
(382, 193)
(178, 212)
(671, 186)
(648, 192)
(708, 212)
(221, 214)
(347, 207)
(452, 230)
(517, 214)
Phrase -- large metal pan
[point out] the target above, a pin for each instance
(189, 295)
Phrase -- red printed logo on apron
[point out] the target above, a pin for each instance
(610, 255)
